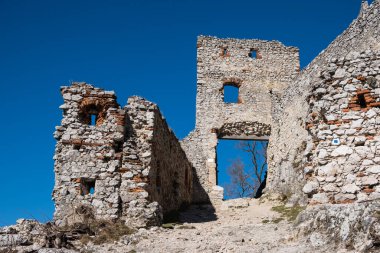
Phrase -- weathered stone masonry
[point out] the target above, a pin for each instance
(324, 147)
(322, 125)
(258, 69)
(344, 122)
(292, 142)
(126, 166)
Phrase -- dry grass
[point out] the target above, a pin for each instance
(100, 232)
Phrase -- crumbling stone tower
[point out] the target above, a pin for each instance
(117, 163)
(258, 69)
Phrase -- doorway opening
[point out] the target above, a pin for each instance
(242, 167)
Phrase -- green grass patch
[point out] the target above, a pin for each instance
(278, 220)
(186, 227)
(289, 213)
(168, 225)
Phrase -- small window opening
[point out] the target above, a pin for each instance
(87, 186)
(93, 119)
(253, 54)
(118, 147)
(224, 51)
(76, 146)
(91, 115)
(361, 101)
(231, 93)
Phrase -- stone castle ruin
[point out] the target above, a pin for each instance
(322, 123)
(124, 163)
(231, 62)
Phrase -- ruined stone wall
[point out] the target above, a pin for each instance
(127, 165)
(85, 154)
(344, 123)
(272, 69)
(222, 62)
(290, 142)
(155, 168)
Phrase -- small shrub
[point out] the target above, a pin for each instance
(110, 232)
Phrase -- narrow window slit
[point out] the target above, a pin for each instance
(224, 51)
(93, 119)
(361, 101)
(118, 147)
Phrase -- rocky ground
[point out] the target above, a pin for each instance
(240, 226)
(243, 225)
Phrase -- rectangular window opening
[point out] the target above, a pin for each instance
(231, 93)
(87, 186)
(242, 167)
(253, 54)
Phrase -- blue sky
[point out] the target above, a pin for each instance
(135, 47)
(229, 152)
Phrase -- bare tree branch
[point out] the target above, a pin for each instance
(246, 181)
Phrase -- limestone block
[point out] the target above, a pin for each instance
(350, 188)
(342, 151)
(310, 187)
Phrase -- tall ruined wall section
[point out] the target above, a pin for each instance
(290, 143)
(344, 123)
(156, 168)
(116, 163)
(258, 69)
(86, 156)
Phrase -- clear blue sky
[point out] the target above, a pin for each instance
(135, 47)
